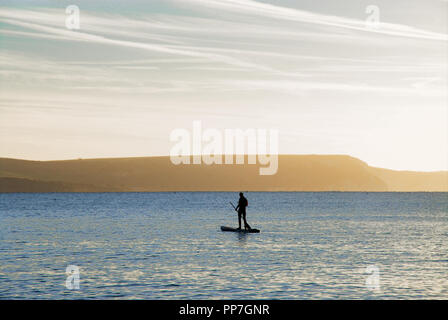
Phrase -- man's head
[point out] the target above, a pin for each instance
(241, 194)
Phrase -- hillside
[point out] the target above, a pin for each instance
(295, 173)
(8, 184)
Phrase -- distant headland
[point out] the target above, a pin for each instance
(295, 173)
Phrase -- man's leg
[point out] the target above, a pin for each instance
(246, 225)
(239, 220)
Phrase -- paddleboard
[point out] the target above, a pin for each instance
(223, 228)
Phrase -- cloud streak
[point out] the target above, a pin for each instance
(288, 14)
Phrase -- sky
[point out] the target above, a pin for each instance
(315, 70)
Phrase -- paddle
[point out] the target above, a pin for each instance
(233, 206)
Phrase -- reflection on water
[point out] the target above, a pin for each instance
(168, 246)
(242, 238)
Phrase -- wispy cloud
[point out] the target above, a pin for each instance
(61, 33)
(181, 41)
(289, 14)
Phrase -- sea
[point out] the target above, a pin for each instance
(323, 245)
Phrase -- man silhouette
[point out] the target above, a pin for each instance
(241, 208)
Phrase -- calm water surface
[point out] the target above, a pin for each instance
(168, 246)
